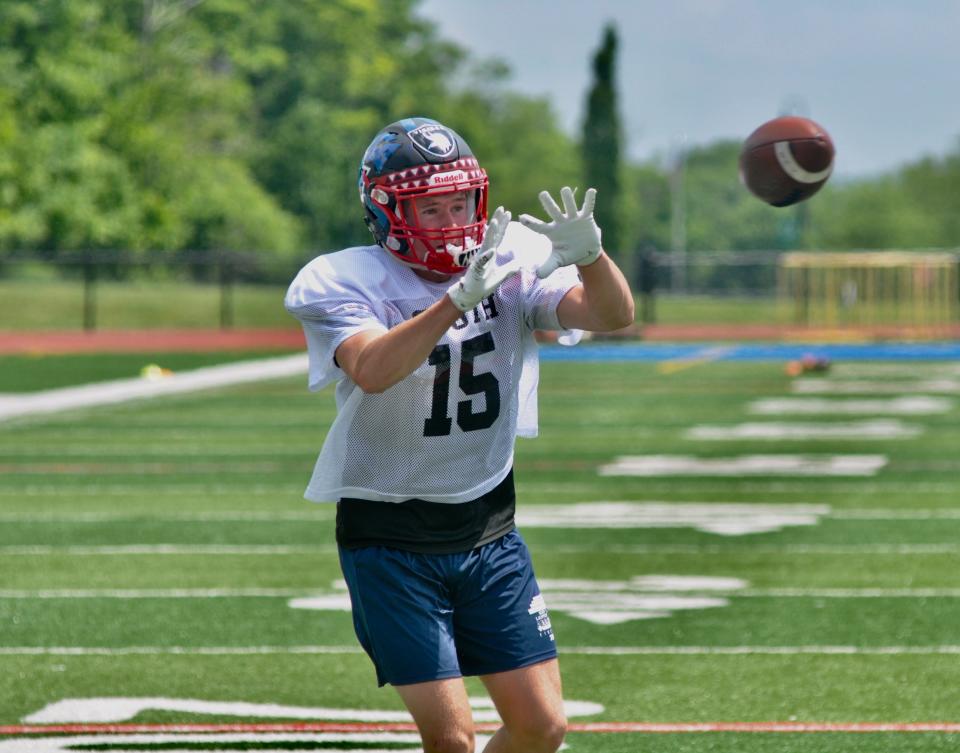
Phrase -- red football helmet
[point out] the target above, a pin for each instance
(410, 159)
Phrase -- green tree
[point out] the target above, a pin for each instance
(646, 207)
(124, 119)
(349, 69)
(914, 207)
(601, 142)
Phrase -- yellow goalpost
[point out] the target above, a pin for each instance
(869, 289)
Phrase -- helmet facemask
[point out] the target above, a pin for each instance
(412, 239)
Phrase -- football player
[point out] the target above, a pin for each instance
(429, 337)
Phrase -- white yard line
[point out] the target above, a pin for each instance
(154, 593)
(861, 370)
(638, 549)
(323, 513)
(946, 513)
(814, 549)
(123, 390)
(286, 593)
(106, 489)
(774, 431)
(905, 405)
(316, 513)
(816, 385)
(745, 465)
(165, 549)
(680, 484)
(183, 742)
(588, 650)
(761, 650)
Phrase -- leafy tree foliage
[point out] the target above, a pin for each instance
(601, 142)
(916, 207)
(164, 126)
(159, 126)
(127, 134)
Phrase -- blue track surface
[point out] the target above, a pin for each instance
(933, 351)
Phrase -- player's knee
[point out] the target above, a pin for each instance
(542, 734)
(553, 733)
(455, 740)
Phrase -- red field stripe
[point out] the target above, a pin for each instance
(151, 341)
(366, 727)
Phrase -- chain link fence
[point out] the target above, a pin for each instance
(742, 275)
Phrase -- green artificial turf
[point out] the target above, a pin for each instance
(204, 491)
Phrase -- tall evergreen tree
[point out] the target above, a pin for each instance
(601, 142)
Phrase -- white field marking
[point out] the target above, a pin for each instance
(861, 370)
(149, 449)
(745, 465)
(120, 709)
(813, 385)
(599, 602)
(588, 650)
(185, 743)
(802, 489)
(340, 602)
(274, 734)
(561, 588)
(853, 593)
(873, 429)
(719, 518)
(123, 390)
(151, 593)
(599, 514)
(906, 405)
(947, 513)
(763, 650)
(590, 591)
(859, 550)
(316, 514)
(158, 489)
(166, 549)
(839, 549)
(176, 650)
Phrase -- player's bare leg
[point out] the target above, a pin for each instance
(530, 702)
(441, 710)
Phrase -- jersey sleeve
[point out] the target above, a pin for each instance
(331, 307)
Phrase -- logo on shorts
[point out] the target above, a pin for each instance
(538, 607)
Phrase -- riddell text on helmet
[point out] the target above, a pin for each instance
(442, 179)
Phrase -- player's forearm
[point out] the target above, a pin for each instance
(395, 355)
(608, 294)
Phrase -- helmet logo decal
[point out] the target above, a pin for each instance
(433, 140)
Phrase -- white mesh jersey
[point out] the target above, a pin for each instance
(446, 432)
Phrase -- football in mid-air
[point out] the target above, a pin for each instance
(786, 160)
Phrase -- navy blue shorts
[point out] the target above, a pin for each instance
(427, 617)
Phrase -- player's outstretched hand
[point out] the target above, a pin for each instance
(483, 276)
(573, 232)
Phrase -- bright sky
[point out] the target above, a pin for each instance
(881, 76)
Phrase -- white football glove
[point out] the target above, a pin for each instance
(573, 232)
(483, 276)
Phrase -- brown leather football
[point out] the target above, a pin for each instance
(786, 160)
